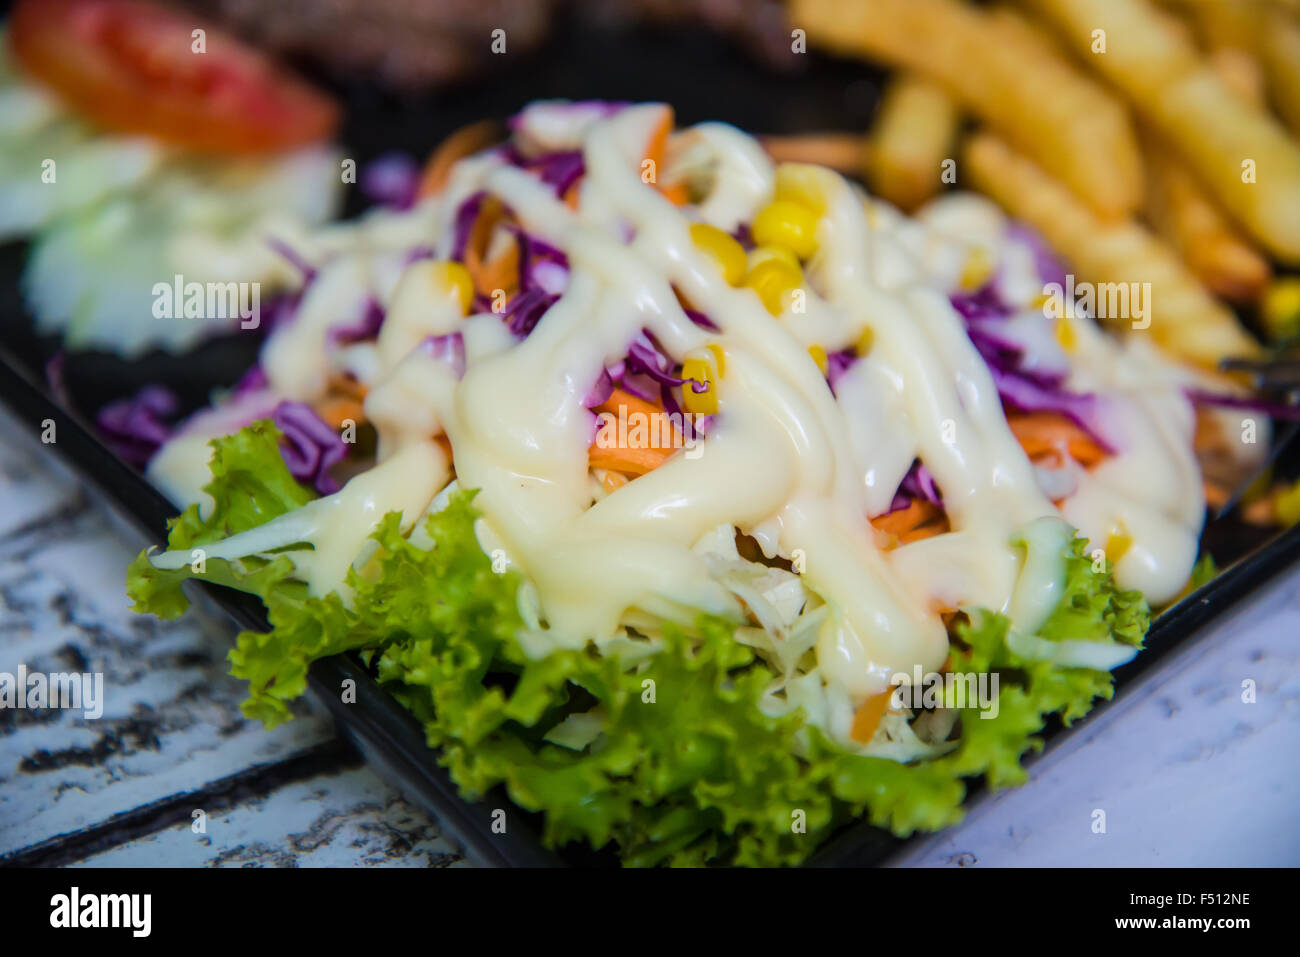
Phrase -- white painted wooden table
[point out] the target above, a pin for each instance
(1185, 772)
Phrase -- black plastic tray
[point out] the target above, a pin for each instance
(704, 77)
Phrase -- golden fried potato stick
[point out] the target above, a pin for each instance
(915, 131)
(1179, 210)
(1242, 71)
(1281, 53)
(1184, 319)
(1176, 205)
(1219, 24)
(1233, 36)
(1237, 149)
(847, 153)
(1209, 243)
(1043, 104)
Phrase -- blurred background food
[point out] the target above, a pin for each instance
(411, 45)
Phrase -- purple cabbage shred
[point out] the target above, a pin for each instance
(918, 483)
(1274, 410)
(136, 428)
(391, 180)
(312, 448)
(367, 327)
(1019, 387)
(463, 225)
(449, 349)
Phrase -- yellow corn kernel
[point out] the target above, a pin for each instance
(705, 368)
(772, 279)
(1259, 488)
(1280, 310)
(1287, 506)
(819, 356)
(1065, 334)
(872, 213)
(456, 279)
(719, 358)
(805, 183)
(1118, 544)
(784, 222)
(723, 249)
(866, 340)
(978, 269)
(761, 254)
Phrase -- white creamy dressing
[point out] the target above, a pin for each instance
(786, 460)
(1152, 491)
(338, 525)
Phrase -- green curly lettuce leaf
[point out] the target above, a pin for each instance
(1204, 572)
(250, 485)
(1093, 607)
(685, 769)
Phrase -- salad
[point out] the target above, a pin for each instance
(703, 503)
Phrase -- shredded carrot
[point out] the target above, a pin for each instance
(657, 151)
(1216, 495)
(343, 401)
(1207, 435)
(631, 404)
(867, 718)
(338, 409)
(1047, 433)
(502, 272)
(633, 461)
(613, 481)
(499, 273)
(463, 142)
(641, 459)
(920, 519)
(939, 526)
(571, 196)
(676, 193)
(348, 386)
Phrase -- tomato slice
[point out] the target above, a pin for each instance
(130, 66)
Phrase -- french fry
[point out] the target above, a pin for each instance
(1184, 319)
(1211, 246)
(1232, 33)
(1220, 24)
(847, 153)
(1176, 206)
(915, 131)
(1179, 210)
(1054, 112)
(1281, 53)
(1237, 149)
(1241, 71)
(1254, 45)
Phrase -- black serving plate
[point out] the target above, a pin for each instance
(705, 78)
